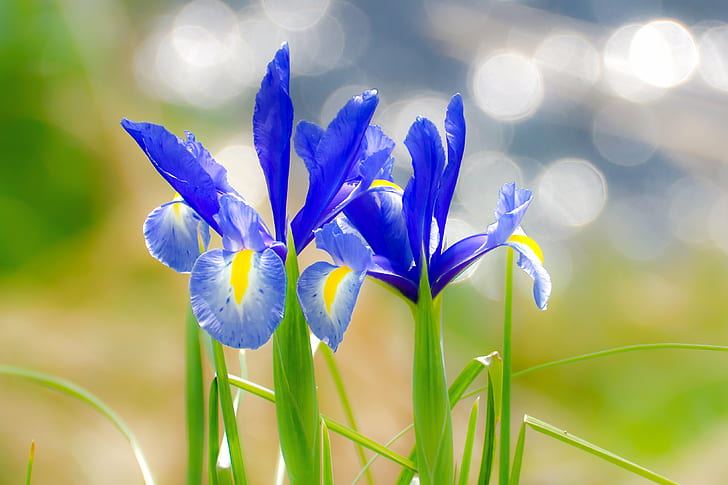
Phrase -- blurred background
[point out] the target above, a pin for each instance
(612, 111)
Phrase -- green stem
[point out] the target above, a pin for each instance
(195, 402)
(431, 403)
(228, 415)
(213, 434)
(346, 404)
(297, 409)
(505, 443)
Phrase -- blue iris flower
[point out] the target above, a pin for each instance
(238, 291)
(392, 234)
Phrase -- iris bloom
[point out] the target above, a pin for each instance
(397, 235)
(238, 291)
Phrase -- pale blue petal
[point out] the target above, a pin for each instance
(345, 249)
(531, 264)
(242, 227)
(327, 294)
(249, 322)
(176, 235)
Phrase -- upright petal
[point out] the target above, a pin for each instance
(179, 167)
(428, 160)
(455, 134)
(336, 154)
(175, 235)
(327, 294)
(345, 249)
(305, 141)
(239, 297)
(512, 205)
(272, 127)
(242, 227)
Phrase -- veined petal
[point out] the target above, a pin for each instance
(272, 127)
(179, 166)
(345, 249)
(512, 205)
(336, 154)
(242, 227)
(175, 235)
(239, 297)
(455, 134)
(327, 294)
(531, 261)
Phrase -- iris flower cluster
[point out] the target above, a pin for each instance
(353, 209)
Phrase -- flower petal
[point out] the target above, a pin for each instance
(307, 137)
(531, 261)
(175, 235)
(336, 154)
(327, 294)
(239, 297)
(242, 227)
(272, 128)
(345, 249)
(179, 167)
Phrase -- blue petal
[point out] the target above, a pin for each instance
(327, 294)
(307, 137)
(345, 249)
(238, 297)
(336, 154)
(455, 134)
(512, 205)
(272, 127)
(217, 172)
(242, 227)
(531, 263)
(428, 160)
(175, 235)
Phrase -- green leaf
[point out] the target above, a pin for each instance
(486, 461)
(31, 458)
(228, 415)
(297, 409)
(328, 471)
(77, 392)
(213, 434)
(374, 458)
(469, 440)
(431, 402)
(582, 444)
(195, 402)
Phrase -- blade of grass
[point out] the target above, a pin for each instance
(469, 440)
(77, 392)
(31, 459)
(195, 402)
(213, 438)
(223, 458)
(505, 411)
(487, 458)
(376, 456)
(518, 455)
(333, 425)
(582, 444)
(328, 468)
(228, 415)
(328, 356)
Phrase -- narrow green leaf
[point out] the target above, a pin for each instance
(228, 415)
(505, 410)
(582, 444)
(77, 392)
(297, 409)
(213, 434)
(488, 456)
(469, 440)
(518, 455)
(328, 469)
(328, 356)
(431, 402)
(31, 459)
(195, 402)
(333, 425)
(376, 456)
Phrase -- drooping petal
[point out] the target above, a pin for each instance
(455, 134)
(345, 249)
(531, 261)
(179, 167)
(239, 297)
(327, 294)
(335, 155)
(175, 235)
(272, 127)
(242, 227)
(428, 160)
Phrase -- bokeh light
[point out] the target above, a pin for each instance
(691, 200)
(507, 86)
(295, 15)
(570, 62)
(572, 191)
(244, 173)
(625, 133)
(481, 177)
(714, 57)
(635, 228)
(663, 53)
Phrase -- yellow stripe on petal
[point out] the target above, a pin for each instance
(332, 284)
(527, 241)
(239, 273)
(385, 183)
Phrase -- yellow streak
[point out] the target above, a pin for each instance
(239, 272)
(520, 238)
(332, 284)
(385, 183)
